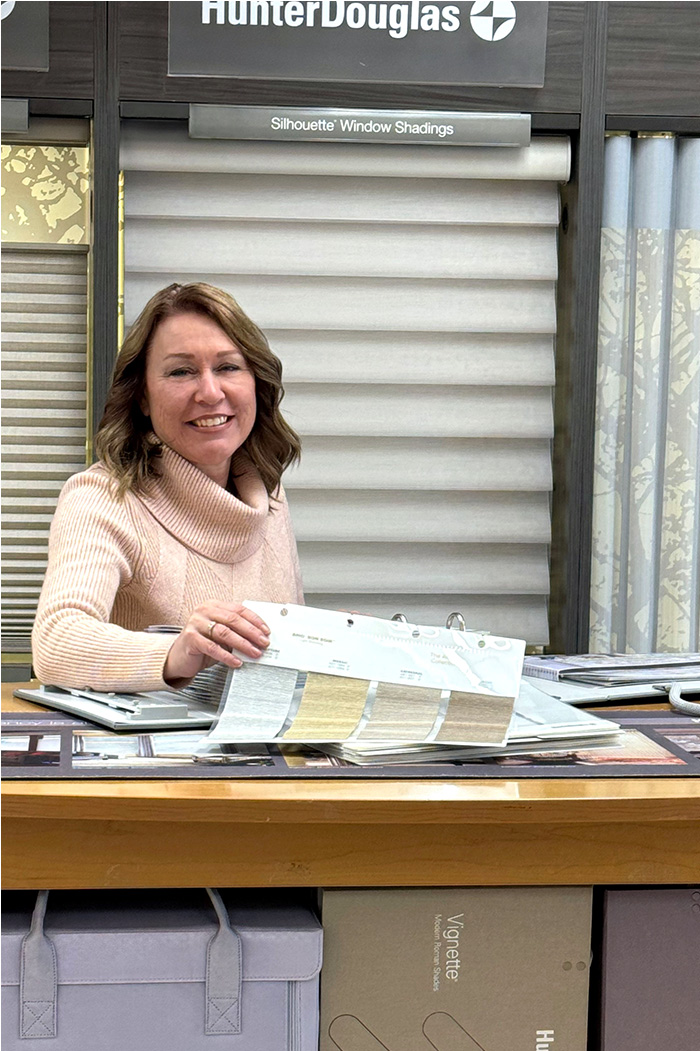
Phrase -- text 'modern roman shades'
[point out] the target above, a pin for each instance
(410, 292)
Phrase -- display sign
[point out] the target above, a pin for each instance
(290, 123)
(25, 35)
(496, 43)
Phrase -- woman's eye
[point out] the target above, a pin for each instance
(229, 367)
(180, 372)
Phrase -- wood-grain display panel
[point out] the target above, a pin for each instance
(653, 58)
(71, 62)
(125, 834)
(66, 854)
(143, 68)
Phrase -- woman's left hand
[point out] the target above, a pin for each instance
(212, 631)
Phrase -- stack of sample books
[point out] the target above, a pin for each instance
(615, 669)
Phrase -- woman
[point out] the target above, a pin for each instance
(183, 517)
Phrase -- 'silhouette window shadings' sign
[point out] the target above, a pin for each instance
(362, 677)
(487, 42)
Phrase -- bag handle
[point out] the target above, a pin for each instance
(38, 978)
(38, 984)
(223, 974)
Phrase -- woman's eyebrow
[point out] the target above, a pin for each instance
(185, 354)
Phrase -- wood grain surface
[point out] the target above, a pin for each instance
(653, 61)
(71, 60)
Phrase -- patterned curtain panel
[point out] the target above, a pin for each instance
(645, 590)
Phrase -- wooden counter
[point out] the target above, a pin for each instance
(70, 834)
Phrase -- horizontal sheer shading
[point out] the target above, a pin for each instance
(410, 292)
(44, 311)
(383, 304)
(159, 146)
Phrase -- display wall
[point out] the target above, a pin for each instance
(628, 65)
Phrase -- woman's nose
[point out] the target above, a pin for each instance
(208, 387)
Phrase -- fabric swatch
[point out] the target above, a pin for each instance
(404, 712)
(258, 702)
(331, 707)
(473, 718)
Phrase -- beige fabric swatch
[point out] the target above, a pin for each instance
(475, 718)
(330, 708)
(404, 712)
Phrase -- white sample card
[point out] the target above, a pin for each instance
(360, 647)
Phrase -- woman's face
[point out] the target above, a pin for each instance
(200, 392)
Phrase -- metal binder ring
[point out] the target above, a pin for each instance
(458, 619)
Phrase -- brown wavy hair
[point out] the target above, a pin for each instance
(125, 441)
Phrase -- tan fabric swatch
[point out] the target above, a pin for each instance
(330, 709)
(404, 712)
(473, 717)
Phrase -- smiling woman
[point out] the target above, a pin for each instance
(184, 516)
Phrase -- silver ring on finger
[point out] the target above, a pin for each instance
(210, 630)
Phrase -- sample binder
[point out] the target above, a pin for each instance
(455, 969)
(332, 676)
(651, 969)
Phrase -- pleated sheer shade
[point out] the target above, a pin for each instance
(44, 310)
(410, 293)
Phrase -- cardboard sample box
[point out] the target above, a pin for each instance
(159, 971)
(456, 969)
(651, 969)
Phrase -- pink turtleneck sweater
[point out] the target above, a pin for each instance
(116, 566)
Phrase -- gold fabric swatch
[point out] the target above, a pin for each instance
(404, 712)
(330, 708)
(473, 717)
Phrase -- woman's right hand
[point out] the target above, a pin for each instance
(211, 632)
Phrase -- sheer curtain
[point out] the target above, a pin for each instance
(645, 585)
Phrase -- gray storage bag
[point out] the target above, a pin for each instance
(165, 972)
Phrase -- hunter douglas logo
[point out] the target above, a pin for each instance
(491, 21)
(487, 42)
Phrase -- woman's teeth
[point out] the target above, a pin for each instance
(210, 421)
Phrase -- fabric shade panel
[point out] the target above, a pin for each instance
(645, 581)
(44, 311)
(410, 292)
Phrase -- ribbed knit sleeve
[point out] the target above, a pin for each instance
(93, 550)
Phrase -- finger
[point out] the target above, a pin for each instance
(243, 628)
(217, 653)
(225, 637)
(232, 614)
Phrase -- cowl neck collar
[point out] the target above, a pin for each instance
(204, 516)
